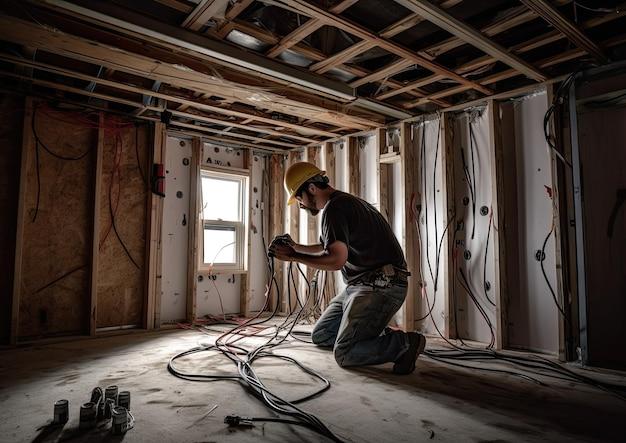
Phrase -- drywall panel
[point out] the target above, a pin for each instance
(430, 224)
(533, 316)
(601, 135)
(55, 282)
(473, 257)
(121, 280)
(258, 228)
(175, 231)
(12, 112)
(218, 294)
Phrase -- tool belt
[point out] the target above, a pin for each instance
(384, 277)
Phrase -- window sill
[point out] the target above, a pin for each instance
(221, 271)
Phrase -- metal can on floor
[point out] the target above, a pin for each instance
(88, 416)
(61, 412)
(111, 392)
(122, 420)
(123, 399)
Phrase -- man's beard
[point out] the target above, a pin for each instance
(313, 212)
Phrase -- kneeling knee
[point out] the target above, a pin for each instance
(340, 357)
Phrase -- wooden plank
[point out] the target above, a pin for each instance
(409, 180)
(237, 9)
(193, 78)
(28, 145)
(560, 22)
(276, 219)
(330, 168)
(95, 247)
(394, 48)
(387, 71)
(383, 174)
(244, 288)
(447, 253)
(152, 317)
(556, 180)
(306, 29)
(411, 20)
(498, 233)
(313, 155)
(193, 226)
(202, 13)
(354, 170)
(341, 57)
(293, 214)
(456, 27)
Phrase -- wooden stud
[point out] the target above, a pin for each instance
(293, 214)
(330, 168)
(152, 316)
(244, 293)
(383, 174)
(409, 166)
(276, 220)
(556, 180)
(449, 270)
(499, 284)
(354, 170)
(313, 155)
(194, 229)
(28, 145)
(95, 247)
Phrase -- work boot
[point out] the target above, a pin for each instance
(405, 364)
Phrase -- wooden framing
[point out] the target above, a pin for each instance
(95, 247)
(559, 258)
(447, 253)
(330, 168)
(244, 293)
(152, 317)
(193, 226)
(498, 234)
(354, 171)
(203, 11)
(408, 169)
(550, 14)
(293, 223)
(28, 145)
(276, 218)
(394, 48)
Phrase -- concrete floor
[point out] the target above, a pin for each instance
(436, 403)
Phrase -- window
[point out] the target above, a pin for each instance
(224, 219)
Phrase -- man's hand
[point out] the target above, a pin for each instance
(284, 239)
(282, 251)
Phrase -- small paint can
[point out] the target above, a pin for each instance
(123, 399)
(122, 420)
(111, 392)
(88, 416)
(61, 412)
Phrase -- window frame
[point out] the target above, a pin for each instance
(240, 227)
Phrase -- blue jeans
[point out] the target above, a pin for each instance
(354, 325)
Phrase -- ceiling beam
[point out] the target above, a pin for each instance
(520, 48)
(456, 27)
(152, 93)
(179, 75)
(566, 27)
(316, 55)
(306, 29)
(390, 46)
(202, 13)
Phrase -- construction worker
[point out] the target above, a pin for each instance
(358, 240)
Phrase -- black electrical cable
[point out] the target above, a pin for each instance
(473, 183)
(112, 215)
(465, 284)
(545, 276)
(582, 5)
(485, 261)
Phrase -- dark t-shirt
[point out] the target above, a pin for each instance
(371, 242)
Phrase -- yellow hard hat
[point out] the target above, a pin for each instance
(296, 175)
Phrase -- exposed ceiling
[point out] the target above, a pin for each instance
(279, 74)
